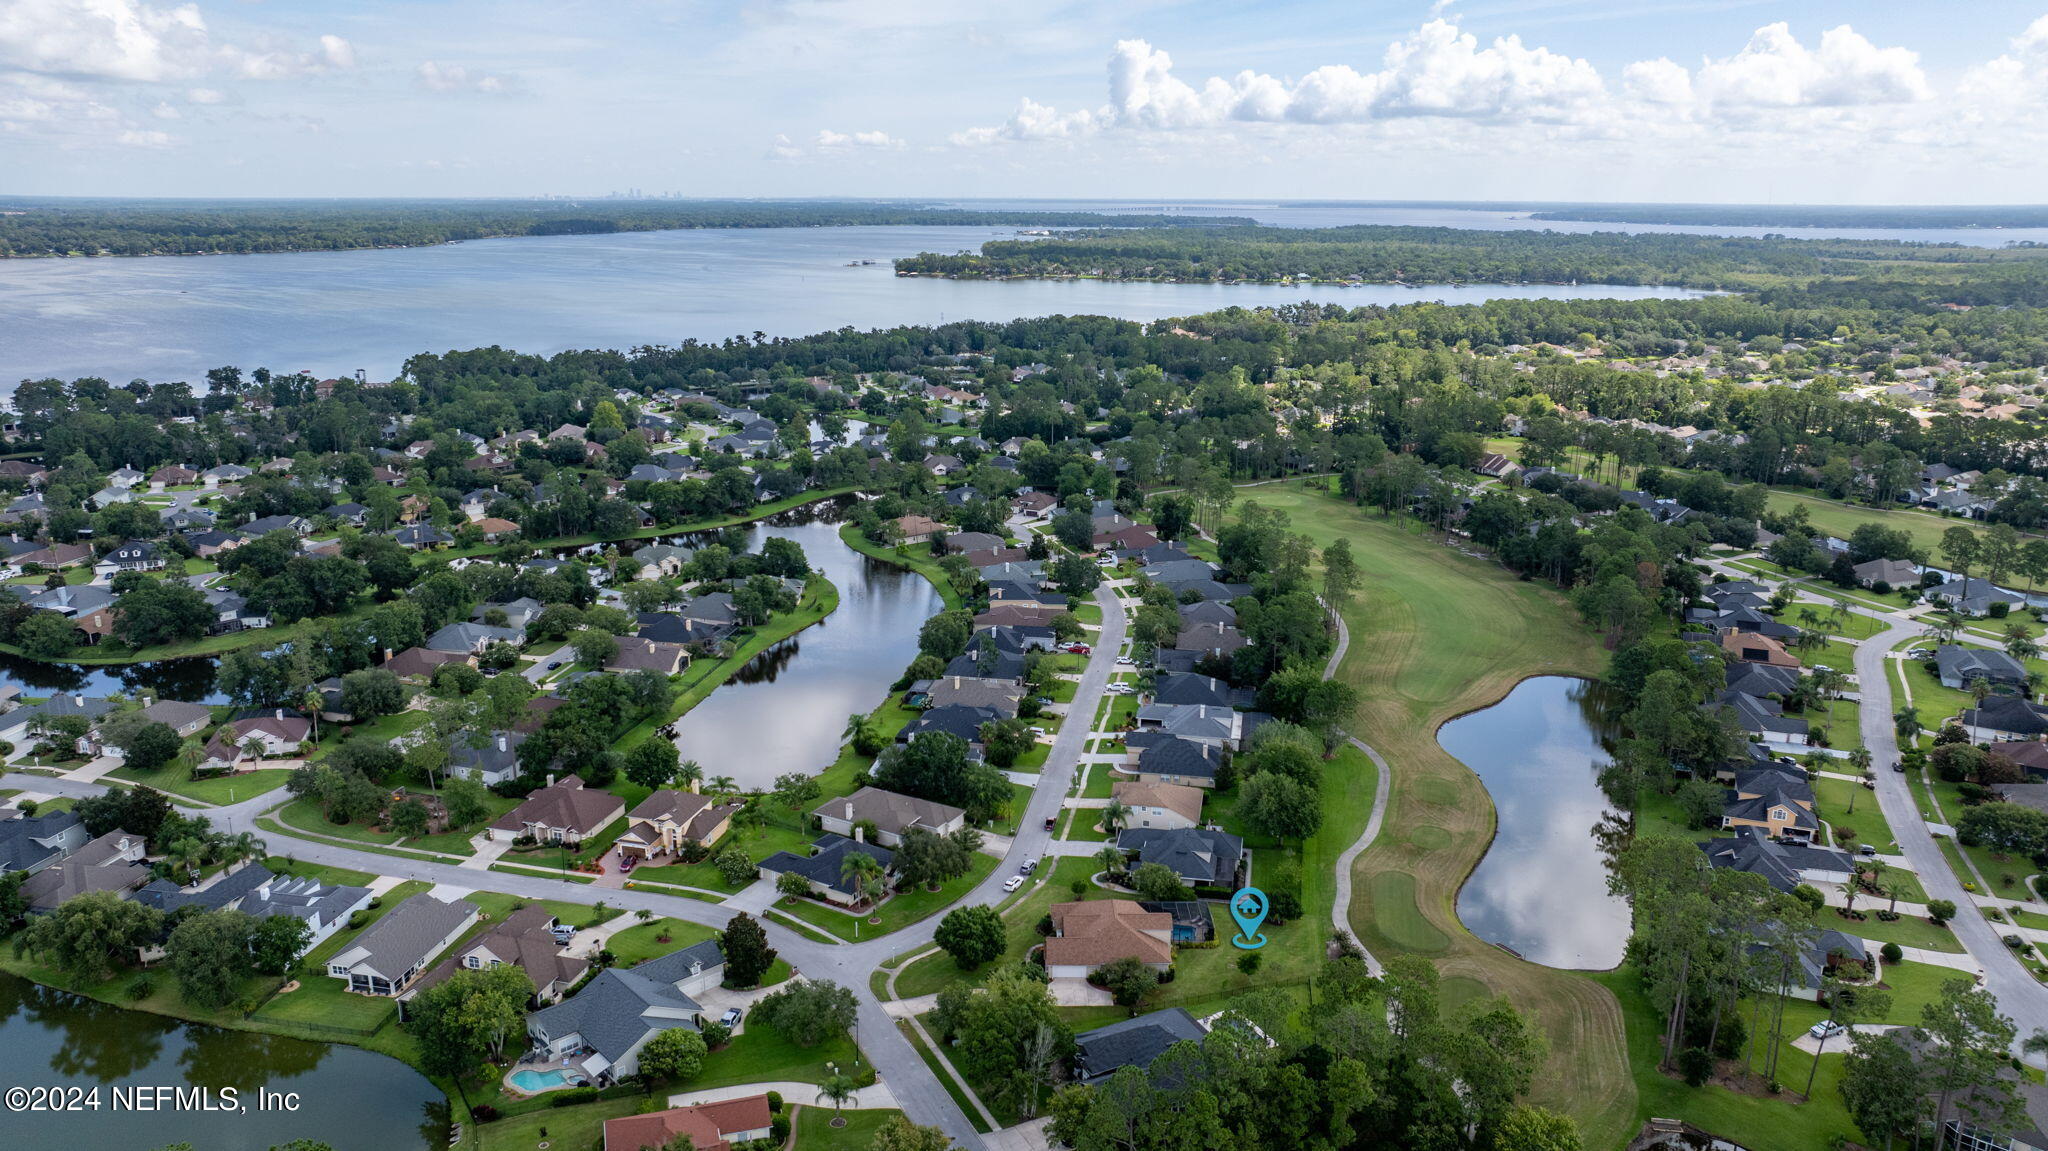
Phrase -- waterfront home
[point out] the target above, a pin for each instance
(1013, 614)
(564, 811)
(998, 695)
(1755, 647)
(525, 939)
(1157, 758)
(1087, 935)
(661, 561)
(421, 536)
(667, 819)
(1892, 573)
(1999, 717)
(495, 762)
(1784, 865)
(1138, 1042)
(325, 906)
(891, 815)
(32, 842)
(392, 952)
(1959, 667)
(709, 1126)
(916, 529)
(419, 663)
(21, 727)
(822, 868)
(955, 720)
(667, 627)
(601, 1029)
(1763, 719)
(113, 862)
(636, 654)
(1149, 804)
(1011, 639)
(1776, 798)
(1200, 857)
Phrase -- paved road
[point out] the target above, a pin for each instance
(1340, 907)
(915, 1088)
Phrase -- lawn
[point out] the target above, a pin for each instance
(305, 814)
(638, 943)
(578, 1128)
(219, 790)
(761, 1054)
(323, 1003)
(1852, 806)
(814, 1130)
(937, 970)
(1906, 931)
(1434, 634)
(759, 844)
(902, 910)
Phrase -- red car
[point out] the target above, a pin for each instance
(1078, 649)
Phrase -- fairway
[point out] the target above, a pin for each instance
(1434, 634)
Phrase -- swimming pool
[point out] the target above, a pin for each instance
(534, 1082)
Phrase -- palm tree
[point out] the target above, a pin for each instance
(1115, 815)
(187, 854)
(243, 846)
(724, 787)
(689, 773)
(643, 915)
(1906, 722)
(313, 701)
(838, 1089)
(2018, 644)
(863, 874)
(1111, 859)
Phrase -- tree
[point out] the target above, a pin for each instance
(1881, 1085)
(972, 935)
(1340, 574)
(836, 1089)
(1847, 1003)
(408, 817)
(46, 635)
(1530, 1128)
(673, 1055)
(1970, 1042)
(1115, 816)
(1279, 806)
(1076, 529)
(1128, 980)
(463, 800)
(734, 865)
(927, 859)
(808, 1012)
(900, 1134)
(594, 648)
(210, 954)
(1701, 800)
(1007, 1034)
(1941, 910)
(797, 790)
(370, 693)
(747, 954)
(152, 746)
(278, 942)
(1066, 627)
(652, 764)
(1959, 544)
(1157, 882)
(1004, 741)
(1906, 722)
(863, 875)
(468, 1017)
(161, 611)
(791, 884)
(87, 934)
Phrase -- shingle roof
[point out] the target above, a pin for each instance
(824, 867)
(616, 1009)
(1132, 1042)
(1195, 854)
(1093, 933)
(889, 811)
(407, 935)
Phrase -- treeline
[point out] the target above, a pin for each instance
(48, 227)
(1387, 254)
(1807, 215)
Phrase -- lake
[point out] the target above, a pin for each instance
(190, 679)
(786, 709)
(1541, 889)
(329, 313)
(352, 1099)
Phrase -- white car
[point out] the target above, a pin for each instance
(1013, 883)
(1125, 659)
(1826, 1029)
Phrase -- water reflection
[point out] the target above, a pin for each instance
(188, 679)
(1541, 890)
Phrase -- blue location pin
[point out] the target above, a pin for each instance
(1248, 907)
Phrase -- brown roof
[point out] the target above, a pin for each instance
(493, 525)
(1750, 647)
(1097, 932)
(636, 654)
(706, 1124)
(521, 940)
(104, 864)
(916, 525)
(2028, 753)
(419, 661)
(695, 815)
(566, 804)
(1174, 797)
(889, 811)
(1010, 614)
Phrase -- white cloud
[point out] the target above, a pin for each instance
(2014, 81)
(205, 96)
(164, 110)
(440, 77)
(828, 140)
(144, 138)
(1774, 70)
(136, 41)
(337, 53)
(1658, 81)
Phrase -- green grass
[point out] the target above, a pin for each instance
(1906, 931)
(578, 1128)
(902, 910)
(177, 779)
(1834, 799)
(760, 1054)
(323, 1001)
(1398, 917)
(936, 971)
(638, 943)
(814, 1130)
(931, 1062)
(759, 845)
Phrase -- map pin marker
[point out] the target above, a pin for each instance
(1248, 907)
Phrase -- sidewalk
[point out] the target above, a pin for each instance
(803, 1094)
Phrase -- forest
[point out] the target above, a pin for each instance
(1806, 215)
(1406, 255)
(53, 227)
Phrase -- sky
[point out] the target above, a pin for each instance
(1821, 101)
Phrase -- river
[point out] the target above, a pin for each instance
(786, 709)
(172, 318)
(1541, 889)
(351, 1099)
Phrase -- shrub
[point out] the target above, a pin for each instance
(1893, 954)
(1248, 962)
(1941, 910)
(775, 1102)
(483, 1113)
(143, 987)
(572, 1097)
(1696, 1064)
(778, 1129)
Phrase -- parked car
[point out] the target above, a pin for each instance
(1124, 659)
(1013, 883)
(1920, 653)
(1826, 1029)
(1867, 851)
(731, 1018)
(553, 664)
(1078, 649)
(1030, 865)
(1051, 821)
(627, 862)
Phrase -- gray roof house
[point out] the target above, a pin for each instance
(1897, 573)
(32, 842)
(495, 762)
(822, 867)
(2003, 717)
(324, 906)
(1973, 596)
(1171, 759)
(393, 951)
(1784, 865)
(1200, 857)
(1100, 1053)
(1960, 666)
(471, 638)
(892, 815)
(113, 862)
(616, 1013)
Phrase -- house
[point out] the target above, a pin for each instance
(1204, 724)
(495, 762)
(637, 654)
(1784, 865)
(822, 867)
(709, 1126)
(172, 475)
(187, 719)
(1893, 573)
(1087, 935)
(667, 627)
(519, 613)
(2031, 755)
(1138, 1042)
(524, 939)
(1014, 614)
(132, 556)
(325, 906)
(472, 638)
(955, 720)
(1750, 647)
(224, 474)
(1964, 1128)
(1998, 717)
(221, 891)
(113, 862)
(277, 736)
(1775, 797)
(1201, 858)
(1158, 804)
(1172, 760)
(21, 727)
(392, 952)
(1185, 690)
(601, 1029)
(186, 519)
(998, 695)
(667, 819)
(891, 814)
(31, 843)
(419, 663)
(56, 556)
(1959, 667)
(1215, 639)
(1829, 950)
(1973, 597)
(1760, 718)
(263, 526)
(916, 529)
(421, 536)
(662, 561)
(1496, 465)
(564, 811)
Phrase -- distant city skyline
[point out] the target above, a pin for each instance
(1555, 100)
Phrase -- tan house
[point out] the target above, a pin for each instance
(1087, 935)
(891, 814)
(1750, 647)
(526, 941)
(562, 812)
(667, 819)
(709, 1126)
(916, 529)
(1158, 804)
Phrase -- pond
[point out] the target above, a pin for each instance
(351, 1099)
(1541, 890)
(786, 709)
(190, 679)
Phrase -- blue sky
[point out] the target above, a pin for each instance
(1546, 99)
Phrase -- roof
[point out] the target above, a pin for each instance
(304, 898)
(1186, 688)
(694, 814)
(824, 866)
(1101, 931)
(1195, 854)
(1132, 1042)
(27, 842)
(889, 811)
(1001, 695)
(521, 939)
(167, 896)
(2030, 754)
(110, 863)
(1970, 663)
(1183, 757)
(566, 804)
(707, 1125)
(407, 935)
(620, 1006)
(2009, 714)
(1752, 850)
(952, 719)
(1178, 798)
